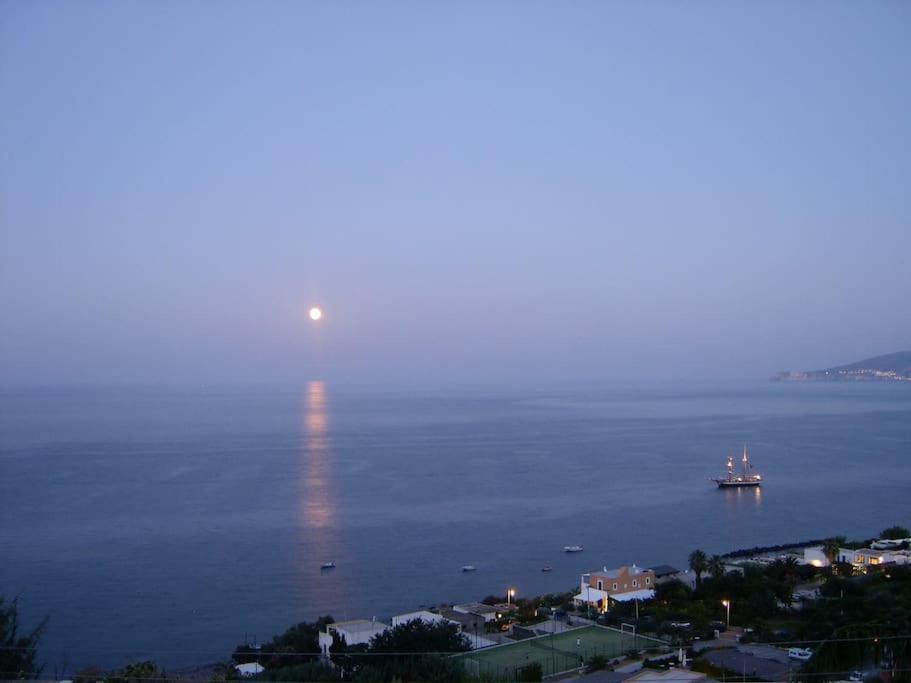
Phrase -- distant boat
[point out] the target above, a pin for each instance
(572, 549)
(469, 568)
(745, 478)
(547, 568)
(327, 565)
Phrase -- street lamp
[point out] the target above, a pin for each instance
(510, 595)
(727, 606)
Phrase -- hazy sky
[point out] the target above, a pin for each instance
(469, 189)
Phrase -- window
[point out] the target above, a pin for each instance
(600, 585)
(615, 586)
(635, 583)
(648, 580)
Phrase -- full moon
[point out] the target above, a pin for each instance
(316, 313)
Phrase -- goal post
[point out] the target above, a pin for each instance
(627, 631)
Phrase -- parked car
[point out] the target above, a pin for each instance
(800, 653)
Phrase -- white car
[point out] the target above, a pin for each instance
(801, 653)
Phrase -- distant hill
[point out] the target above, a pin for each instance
(893, 367)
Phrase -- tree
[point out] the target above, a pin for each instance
(831, 548)
(138, 672)
(698, 563)
(715, 567)
(17, 652)
(297, 645)
(419, 636)
(895, 532)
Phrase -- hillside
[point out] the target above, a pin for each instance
(892, 367)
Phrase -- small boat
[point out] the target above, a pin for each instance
(547, 568)
(469, 568)
(572, 549)
(327, 565)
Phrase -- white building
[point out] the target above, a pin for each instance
(815, 556)
(249, 669)
(864, 557)
(355, 632)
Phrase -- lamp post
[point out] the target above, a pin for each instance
(510, 595)
(727, 606)
(553, 634)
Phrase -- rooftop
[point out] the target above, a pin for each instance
(632, 570)
(475, 608)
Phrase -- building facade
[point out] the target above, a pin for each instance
(596, 589)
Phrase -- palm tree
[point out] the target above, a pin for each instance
(716, 567)
(698, 563)
(791, 564)
(831, 548)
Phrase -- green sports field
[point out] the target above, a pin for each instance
(555, 654)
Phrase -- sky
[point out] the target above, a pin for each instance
(470, 190)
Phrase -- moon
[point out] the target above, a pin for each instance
(316, 313)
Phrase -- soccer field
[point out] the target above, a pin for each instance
(562, 652)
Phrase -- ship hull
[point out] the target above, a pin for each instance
(724, 484)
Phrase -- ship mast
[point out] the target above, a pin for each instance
(745, 461)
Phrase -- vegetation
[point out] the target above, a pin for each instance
(531, 672)
(862, 621)
(715, 566)
(414, 651)
(895, 532)
(760, 594)
(597, 662)
(137, 672)
(18, 652)
(420, 636)
(859, 622)
(699, 564)
(830, 548)
(298, 645)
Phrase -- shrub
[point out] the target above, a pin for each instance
(597, 662)
(530, 673)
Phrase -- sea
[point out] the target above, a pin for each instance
(174, 523)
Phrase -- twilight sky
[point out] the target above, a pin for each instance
(471, 190)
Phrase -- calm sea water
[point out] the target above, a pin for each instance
(172, 523)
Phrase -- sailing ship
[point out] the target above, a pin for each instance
(746, 476)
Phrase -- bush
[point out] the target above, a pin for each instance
(136, 672)
(18, 651)
(597, 662)
(309, 671)
(530, 673)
